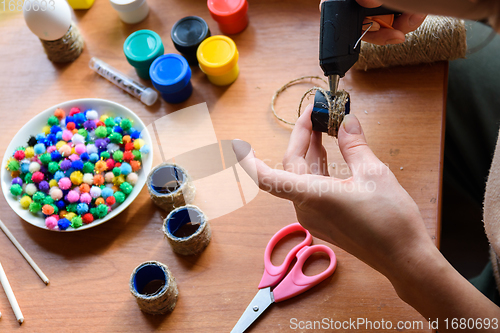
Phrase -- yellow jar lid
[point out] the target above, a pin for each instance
(217, 55)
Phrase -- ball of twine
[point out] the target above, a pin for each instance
(164, 299)
(183, 194)
(439, 38)
(194, 243)
(65, 49)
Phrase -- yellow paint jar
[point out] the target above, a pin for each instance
(218, 58)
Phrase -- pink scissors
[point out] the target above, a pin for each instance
(293, 284)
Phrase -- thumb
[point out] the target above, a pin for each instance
(353, 146)
(279, 183)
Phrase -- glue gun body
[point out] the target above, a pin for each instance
(340, 33)
(339, 46)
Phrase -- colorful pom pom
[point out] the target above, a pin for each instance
(47, 210)
(63, 223)
(76, 177)
(56, 193)
(76, 222)
(64, 183)
(25, 201)
(35, 207)
(73, 196)
(16, 190)
(51, 222)
(82, 208)
(65, 150)
(85, 198)
(98, 180)
(43, 186)
(37, 177)
(18, 181)
(87, 218)
(30, 189)
(118, 156)
(101, 210)
(106, 192)
(95, 192)
(19, 155)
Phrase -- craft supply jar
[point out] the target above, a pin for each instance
(187, 34)
(141, 48)
(171, 76)
(131, 11)
(231, 15)
(218, 58)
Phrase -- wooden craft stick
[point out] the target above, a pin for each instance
(10, 295)
(24, 253)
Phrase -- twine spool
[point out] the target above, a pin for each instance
(439, 38)
(65, 49)
(154, 287)
(187, 230)
(169, 186)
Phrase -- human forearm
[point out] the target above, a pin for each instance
(427, 282)
(468, 9)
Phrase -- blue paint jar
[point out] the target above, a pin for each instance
(171, 76)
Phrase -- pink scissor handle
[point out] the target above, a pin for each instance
(296, 281)
(274, 274)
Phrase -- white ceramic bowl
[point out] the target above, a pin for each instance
(34, 126)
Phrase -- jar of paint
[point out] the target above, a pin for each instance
(231, 15)
(131, 11)
(81, 4)
(141, 48)
(218, 58)
(187, 34)
(171, 76)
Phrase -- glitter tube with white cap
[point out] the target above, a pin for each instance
(146, 95)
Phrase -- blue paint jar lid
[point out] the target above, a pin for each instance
(170, 73)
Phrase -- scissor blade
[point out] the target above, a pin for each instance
(257, 306)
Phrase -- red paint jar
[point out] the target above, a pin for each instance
(231, 15)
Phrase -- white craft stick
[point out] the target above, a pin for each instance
(24, 253)
(10, 295)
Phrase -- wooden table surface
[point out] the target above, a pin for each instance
(401, 110)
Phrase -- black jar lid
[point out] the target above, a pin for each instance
(188, 33)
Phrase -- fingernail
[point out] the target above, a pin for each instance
(241, 149)
(394, 41)
(351, 124)
(415, 20)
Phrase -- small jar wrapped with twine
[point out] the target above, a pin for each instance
(187, 230)
(154, 287)
(169, 186)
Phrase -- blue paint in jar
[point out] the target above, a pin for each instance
(171, 76)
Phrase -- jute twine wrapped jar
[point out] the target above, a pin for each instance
(154, 287)
(170, 186)
(187, 244)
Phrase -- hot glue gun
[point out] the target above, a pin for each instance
(339, 46)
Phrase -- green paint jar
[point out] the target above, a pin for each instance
(141, 48)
